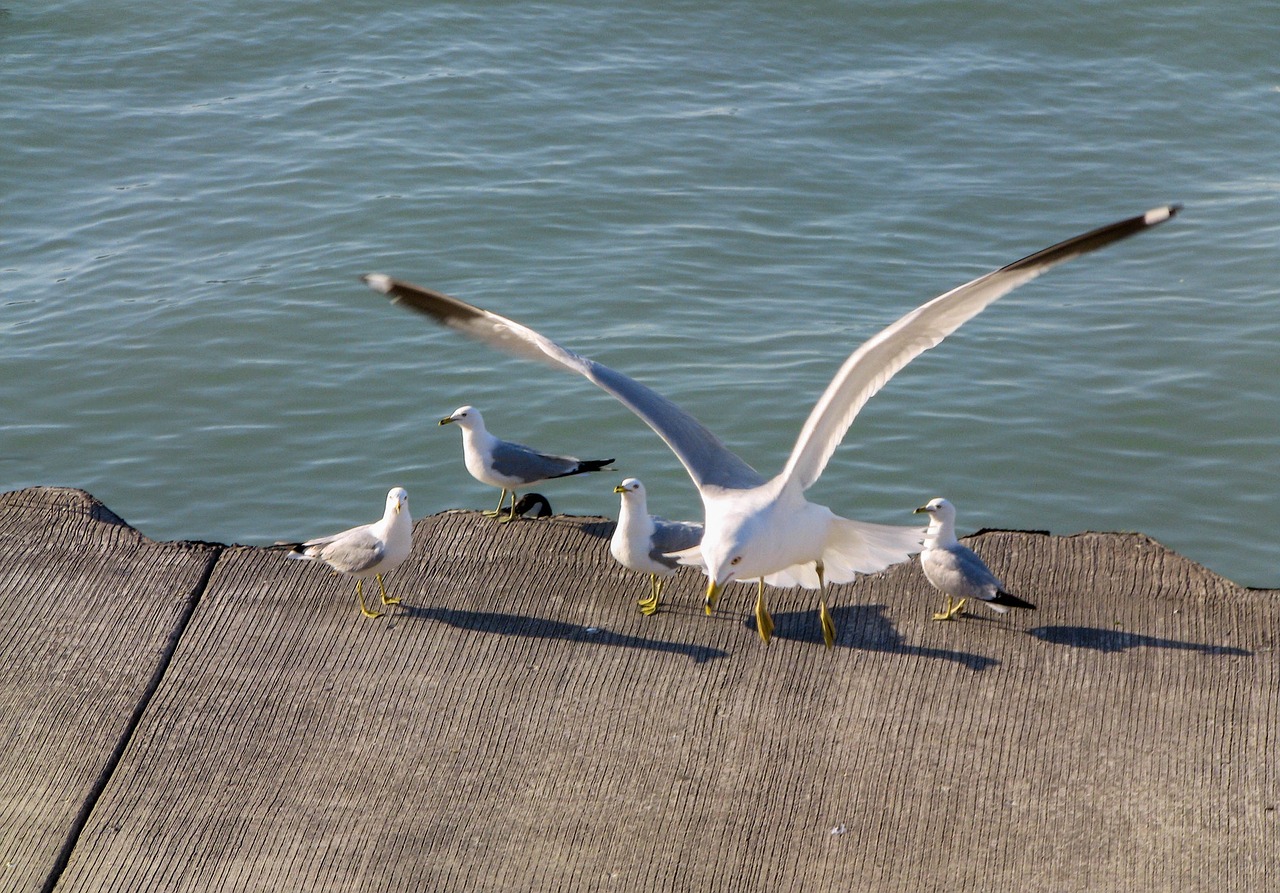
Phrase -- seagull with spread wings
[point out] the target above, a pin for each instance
(765, 530)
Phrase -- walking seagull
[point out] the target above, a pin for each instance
(369, 550)
(956, 570)
(506, 465)
(765, 530)
(643, 542)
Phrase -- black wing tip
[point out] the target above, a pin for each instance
(446, 309)
(584, 466)
(1009, 600)
(1095, 239)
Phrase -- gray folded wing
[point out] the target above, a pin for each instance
(349, 552)
(517, 461)
(960, 572)
(673, 536)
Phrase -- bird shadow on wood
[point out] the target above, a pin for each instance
(866, 628)
(541, 628)
(1115, 641)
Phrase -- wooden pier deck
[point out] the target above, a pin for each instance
(199, 717)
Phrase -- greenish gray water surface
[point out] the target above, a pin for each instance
(720, 201)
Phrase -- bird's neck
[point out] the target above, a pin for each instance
(478, 438)
(940, 535)
(635, 517)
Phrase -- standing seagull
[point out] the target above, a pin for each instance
(369, 550)
(765, 530)
(955, 569)
(642, 542)
(506, 465)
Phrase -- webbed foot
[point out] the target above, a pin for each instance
(951, 611)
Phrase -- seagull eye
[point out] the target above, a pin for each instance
(736, 561)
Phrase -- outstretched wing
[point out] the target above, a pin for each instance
(709, 462)
(879, 359)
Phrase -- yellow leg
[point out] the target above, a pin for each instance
(498, 511)
(828, 624)
(824, 616)
(649, 606)
(764, 622)
(648, 598)
(951, 612)
(360, 596)
(512, 515)
(383, 590)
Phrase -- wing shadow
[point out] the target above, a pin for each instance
(541, 628)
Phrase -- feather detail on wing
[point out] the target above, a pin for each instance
(880, 358)
(707, 460)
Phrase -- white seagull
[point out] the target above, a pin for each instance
(506, 465)
(642, 542)
(956, 570)
(369, 550)
(765, 530)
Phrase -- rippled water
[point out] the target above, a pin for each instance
(722, 201)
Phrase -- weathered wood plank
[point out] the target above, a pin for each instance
(518, 725)
(91, 610)
(502, 743)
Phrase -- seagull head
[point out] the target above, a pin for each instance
(938, 508)
(728, 551)
(752, 533)
(942, 521)
(397, 500)
(720, 573)
(630, 486)
(466, 416)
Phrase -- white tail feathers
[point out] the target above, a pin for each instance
(854, 547)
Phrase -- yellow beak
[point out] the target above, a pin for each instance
(446, 420)
(923, 508)
(619, 489)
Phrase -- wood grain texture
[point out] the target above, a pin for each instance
(518, 725)
(91, 612)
